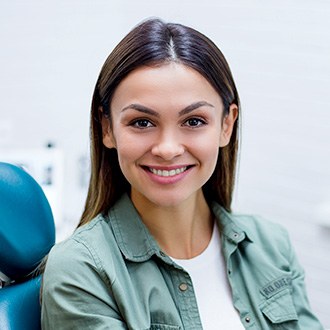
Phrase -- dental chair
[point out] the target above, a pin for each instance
(27, 233)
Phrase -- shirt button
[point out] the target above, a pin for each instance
(247, 319)
(162, 254)
(183, 287)
(235, 235)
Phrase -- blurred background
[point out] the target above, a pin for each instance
(279, 52)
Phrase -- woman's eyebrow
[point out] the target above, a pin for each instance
(141, 108)
(186, 110)
(194, 106)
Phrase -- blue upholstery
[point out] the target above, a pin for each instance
(20, 307)
(27, 233)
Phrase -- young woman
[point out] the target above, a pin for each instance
(157, 246)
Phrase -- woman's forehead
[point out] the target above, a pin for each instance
(168, 83)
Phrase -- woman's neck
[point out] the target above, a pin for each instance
(182, 231)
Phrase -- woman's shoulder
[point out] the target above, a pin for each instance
(258, 225)
(86, 246)
(257, 228)
(87, 236)
(80, 267)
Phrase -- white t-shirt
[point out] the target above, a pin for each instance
(212, 290)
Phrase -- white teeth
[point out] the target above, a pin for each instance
(168, 173)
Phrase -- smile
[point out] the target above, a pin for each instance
(167, 173)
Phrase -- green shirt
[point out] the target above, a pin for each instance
(111, 274)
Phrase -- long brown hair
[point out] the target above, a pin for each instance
(154, 42)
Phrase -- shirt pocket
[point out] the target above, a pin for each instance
(156, 326)
(280, 312)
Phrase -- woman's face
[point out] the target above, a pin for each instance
(167, 127)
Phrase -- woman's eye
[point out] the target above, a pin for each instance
(194, 122)
(142, 123)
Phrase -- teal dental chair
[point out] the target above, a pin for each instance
(27, 233)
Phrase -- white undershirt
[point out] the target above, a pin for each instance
(212, 290)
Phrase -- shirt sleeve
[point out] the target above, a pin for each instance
(306, 319)
(76, 294)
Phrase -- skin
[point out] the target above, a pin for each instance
(167, 126)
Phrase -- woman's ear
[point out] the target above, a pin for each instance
(107, 135)
(228, 125)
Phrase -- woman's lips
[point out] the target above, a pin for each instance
(171, 174)
(166, 173)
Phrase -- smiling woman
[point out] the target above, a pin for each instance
(161, 118)
(157, 246)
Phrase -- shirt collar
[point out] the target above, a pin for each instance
(132, 236)
(137, 244)
(232, 226)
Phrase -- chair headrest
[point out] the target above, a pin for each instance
(27, 230)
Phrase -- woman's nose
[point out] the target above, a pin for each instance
(168, 146)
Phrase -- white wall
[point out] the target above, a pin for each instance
(279, 51)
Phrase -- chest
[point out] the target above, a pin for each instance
(162, 296)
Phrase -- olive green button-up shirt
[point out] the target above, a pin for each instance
(111, 274)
